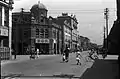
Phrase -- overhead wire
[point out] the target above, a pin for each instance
(76, 11)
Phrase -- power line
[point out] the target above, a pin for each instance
(76, 10)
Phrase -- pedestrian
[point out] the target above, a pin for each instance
(37, 52)
(78, 56)
(67, 53)
(14, 53)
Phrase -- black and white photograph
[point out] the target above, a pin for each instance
(59, 39)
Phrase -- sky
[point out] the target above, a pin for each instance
(89, 13)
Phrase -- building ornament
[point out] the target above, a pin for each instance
(66, 23)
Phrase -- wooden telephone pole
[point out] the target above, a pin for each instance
(106, 11)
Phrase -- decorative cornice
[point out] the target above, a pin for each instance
(6, 4)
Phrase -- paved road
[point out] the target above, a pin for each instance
(47, 66)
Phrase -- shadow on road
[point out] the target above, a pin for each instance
(103, 69)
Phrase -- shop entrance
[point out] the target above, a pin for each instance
(43, 48)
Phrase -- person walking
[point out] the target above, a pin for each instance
(67, 53)
(37, 53)
(78, 56)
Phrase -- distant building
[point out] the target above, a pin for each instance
(69, 30)
(34, 30)
(56, 37)
(84, 43)
(5, 28)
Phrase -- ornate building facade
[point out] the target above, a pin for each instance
(69, 31)
(34, 30)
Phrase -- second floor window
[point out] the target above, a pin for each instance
(37, 32)
(46, 33)
(42, 33)
(6, 17)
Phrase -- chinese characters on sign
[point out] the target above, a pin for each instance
(42, 40)
(4, 49)
(3, 32)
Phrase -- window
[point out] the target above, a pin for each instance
(60, 35)
(42, 14)
(46, 33)
(37, 32)
(6, 21)
(41, 20)
(0, 31)
(41, 33)
(25, 34)
(54, 34)
(0, 15)
(15, 19)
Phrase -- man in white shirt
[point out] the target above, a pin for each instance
(37, 53)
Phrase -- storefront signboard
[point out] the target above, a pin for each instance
(42, 40)
(3, 32)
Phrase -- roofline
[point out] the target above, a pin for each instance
(45, 8)
(20, 13)
(68, 17)
(5, 3)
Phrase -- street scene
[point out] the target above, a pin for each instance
(59, 39)
(46, 66)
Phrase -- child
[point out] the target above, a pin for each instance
(63, 57)
(78, 57)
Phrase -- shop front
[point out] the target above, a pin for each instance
(42, 45)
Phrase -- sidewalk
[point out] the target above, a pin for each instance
(20, 58)
(102, 69)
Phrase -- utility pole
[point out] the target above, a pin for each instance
(104, 36)
(10, 26)
(22, 10)
(106, 11)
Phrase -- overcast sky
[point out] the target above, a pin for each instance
(89, 14)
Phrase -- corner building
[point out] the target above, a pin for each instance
(34, 30)
(5, 28)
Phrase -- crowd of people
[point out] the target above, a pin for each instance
(93, 54)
